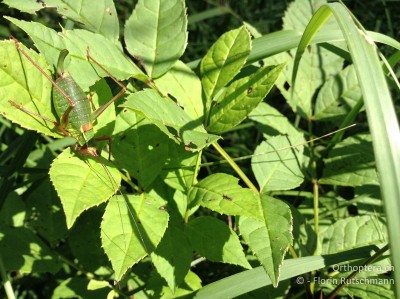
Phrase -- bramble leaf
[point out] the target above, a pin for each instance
(224, 60)
(214, 240)
(269, 239)
(221, 192)
(155, 34)
(82, 182)
(132, 227)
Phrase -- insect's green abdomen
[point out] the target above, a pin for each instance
(80, 116)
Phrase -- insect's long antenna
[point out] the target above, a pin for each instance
(292, 146)
(262, 154)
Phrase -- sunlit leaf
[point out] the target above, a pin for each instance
(170, 118)
(224, 60)
(353, 232)
(221, 192)
(132, 227)
(241, 97)
(82, 182)
(139, 147)
(156, 34)
(269, 239)
(214, 240)
(22, 83)
(276, 165)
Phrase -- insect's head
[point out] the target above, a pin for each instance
(87, 150)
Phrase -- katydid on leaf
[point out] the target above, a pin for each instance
(76, 115)
(72, 106)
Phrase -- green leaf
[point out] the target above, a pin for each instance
(184, 85)
(179, 168)
(156, 34)
(338, 95)
(85, 243)
(45, 212)
(47, 41)
(299, 13)
(276, 165)
(269, 239)
(173, 256)
(353, 232)
(241, 97)
(196, 17)
(82, 183)
(28, 6)
(334, 205)
(83, 287)
(84, 71)
(22, 83)
(171, 119)
(224, 60)
(108, 54)
(100, 18)
(13, 211)
(221, 192)
(179, 205)
(368, 199)
(381, 113)
(132, 227)
(318, 63)
(377, 287)
(214, 240)
(303, 233)
(101, 94)
(21, 250)
(272, 121)
(157, 288)
(139, 147)
(371, 281)
(351, 163)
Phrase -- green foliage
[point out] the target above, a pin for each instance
(270, 238)
(165, 203)
(159, 41)
(124, 242)
(221, 193)
(89, 184)
(223, 61)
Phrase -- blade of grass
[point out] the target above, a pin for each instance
(253, 279)
(281, 41)
(380, 111)
(209, 13)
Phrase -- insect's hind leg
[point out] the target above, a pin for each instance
(101, 109)
(90, 99)
(56, 124)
